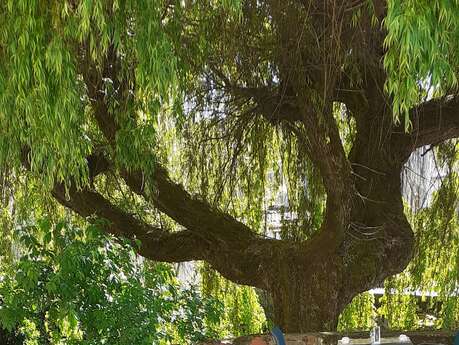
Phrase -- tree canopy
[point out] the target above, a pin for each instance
(181, 122)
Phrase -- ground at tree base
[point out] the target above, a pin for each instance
(330, 338)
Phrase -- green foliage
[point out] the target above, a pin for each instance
(359, 314)
(400, 306)
(422, 51)
(346, 126)
(40, 106)
(77, 286)
(48, 48)
(242, 312)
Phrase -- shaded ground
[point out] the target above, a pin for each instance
(417, 337)
(9, 338)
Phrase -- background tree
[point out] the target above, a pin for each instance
(166, 118)
(79, 286)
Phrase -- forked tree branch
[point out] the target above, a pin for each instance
(311, 80)
(320, 138)
(155, 243)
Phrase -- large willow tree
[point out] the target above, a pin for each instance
(178, 122)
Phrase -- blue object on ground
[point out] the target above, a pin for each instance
(279, 336)
(456, 339)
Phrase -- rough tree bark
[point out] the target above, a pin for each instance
(365, 236)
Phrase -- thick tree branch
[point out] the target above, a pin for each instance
(156, 243)
(194, 214)
(434, 121)
(270, 102)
